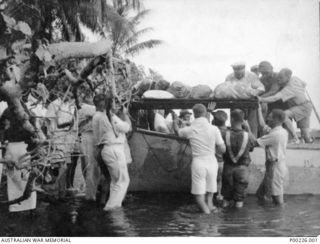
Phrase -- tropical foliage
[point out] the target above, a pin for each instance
(45, 60)
(126, 35)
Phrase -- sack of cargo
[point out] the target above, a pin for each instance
(157, 94)
(179, 90)
(160, 124)
(235, 90)
(200, 92)
(162, 85)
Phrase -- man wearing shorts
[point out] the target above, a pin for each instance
(274, 141)
(293, 94)
(204, 139)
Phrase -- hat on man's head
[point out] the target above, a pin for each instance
(184, 112)
(199, 110)
(238, 65)
(265, 66)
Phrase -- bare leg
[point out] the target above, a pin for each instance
(225, 203)
(290, 128)
(253, 121)
(305, 134)
(200, 199)
(219, 197)
(209, 198)
(278, 200)
(239, 204)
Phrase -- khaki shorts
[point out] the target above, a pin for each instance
(204, 173)
(301, 114)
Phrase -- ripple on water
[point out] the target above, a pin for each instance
(166, 215)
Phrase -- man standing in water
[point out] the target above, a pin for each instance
(235, 175)
(275, 143)
(109, 132)
(204, 139)
(219, 119)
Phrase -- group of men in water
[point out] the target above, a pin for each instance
(220, 154)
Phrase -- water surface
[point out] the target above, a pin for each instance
(162, 214)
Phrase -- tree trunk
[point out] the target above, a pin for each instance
(12, 93)
(65, 50)
(67, 27)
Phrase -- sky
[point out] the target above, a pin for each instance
(202, 38)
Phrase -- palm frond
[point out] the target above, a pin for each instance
(23, 10)
(70, 11)
(112, 16)
(133, 39)
(138, 17)
(134, 4)
(90, 13)
(142, 46)
(120, 30)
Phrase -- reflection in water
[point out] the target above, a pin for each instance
(120, 223)
(164, 214)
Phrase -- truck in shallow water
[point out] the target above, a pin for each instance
(161, 162)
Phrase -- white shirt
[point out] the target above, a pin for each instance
(59, 113)
(85, 117)
(105, 133)
(248, 78)
(276, 141)
(203, 137)
(294, 93)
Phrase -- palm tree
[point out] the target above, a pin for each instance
(110, 17)
(125, 36)
(41, 14)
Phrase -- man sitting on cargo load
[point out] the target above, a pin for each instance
(204, 139)
(270, 80)
(240, 74)
(293, 93)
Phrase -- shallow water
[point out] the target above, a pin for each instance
(161, 214)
